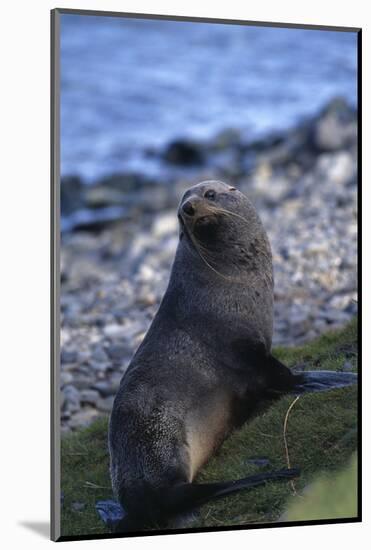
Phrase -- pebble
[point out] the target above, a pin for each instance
(65, 378)
(68, 356)
(99, 367)
(299, 324)
(78, 506)
(114, 331)
(99, 355)
(71, 399)
(117, 352)
(89, 396)
(106, 388)
(84, 417)
(347, 366)
(105, 404)
(165, 225)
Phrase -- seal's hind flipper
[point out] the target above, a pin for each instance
(315, 381)
(184, 497)
(225, 488)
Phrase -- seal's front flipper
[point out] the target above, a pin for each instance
(315, 381)
(281, 379)
(115, 518)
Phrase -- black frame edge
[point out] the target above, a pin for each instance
(225, 528)
(359, 266)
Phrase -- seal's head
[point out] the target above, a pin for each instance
(202, 211)
(219, 223)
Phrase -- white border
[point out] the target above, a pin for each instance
(24, 234)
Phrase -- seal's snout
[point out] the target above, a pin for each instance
(194, 208)
(188, 208)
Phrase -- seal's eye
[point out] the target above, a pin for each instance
(232, 189)
(210, 194)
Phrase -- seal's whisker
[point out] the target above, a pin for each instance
(228, 212)
(197, 246)
(206, 255)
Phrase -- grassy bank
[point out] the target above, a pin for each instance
(321, 436)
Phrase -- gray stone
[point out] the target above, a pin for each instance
(165, 224)
(99, 355)
(89, 396)
(336, 316)
(68, 356)
(82, 418)
(114, 331)
(106, 388)
(105, 404)
(71, 399)
(184, 152)
(299, 324)
(65, 378)
(104, 196)
(133, 329)
(117, 352)
(336, 127)
(78, 506)
(98, 366)
(347, 366)
(65, 415)
(82, 382)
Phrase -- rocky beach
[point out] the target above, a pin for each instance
(119, 236)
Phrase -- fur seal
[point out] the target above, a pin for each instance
(204, 365)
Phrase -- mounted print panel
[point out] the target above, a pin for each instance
(204, 275)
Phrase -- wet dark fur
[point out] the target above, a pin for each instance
(204, 366)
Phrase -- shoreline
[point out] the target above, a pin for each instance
(89, 204)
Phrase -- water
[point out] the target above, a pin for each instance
(128, 85)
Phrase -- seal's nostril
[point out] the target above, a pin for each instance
(188, 208)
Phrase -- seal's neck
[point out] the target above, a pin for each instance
(236, 266)
(237, 290)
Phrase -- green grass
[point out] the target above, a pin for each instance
(330, 496)
(321, 437)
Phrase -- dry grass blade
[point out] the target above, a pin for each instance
(292, 483)
(91, 485)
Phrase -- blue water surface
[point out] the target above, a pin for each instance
(129, 85)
